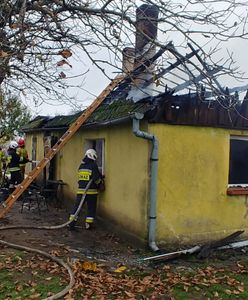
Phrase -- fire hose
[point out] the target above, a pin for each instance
(59, 261)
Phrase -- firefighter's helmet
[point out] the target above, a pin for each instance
(21, 142)
(13, 145)
(91, 153)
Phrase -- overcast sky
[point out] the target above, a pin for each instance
(94, 81)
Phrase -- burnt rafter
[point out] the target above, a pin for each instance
(183, 62)
(197, 74)
(239, 88)
(197, 79)
(194, 109)
(171, 67)
(205, 75)
(124, 86)
(206, 67)
(208, 104)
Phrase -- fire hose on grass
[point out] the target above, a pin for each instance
(59, 261)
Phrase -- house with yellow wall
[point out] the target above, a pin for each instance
(175, 166)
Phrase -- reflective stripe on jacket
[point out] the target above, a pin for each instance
(14, 169)
(13, 160)
(89, 191)
(2, 159)
(23, 153)
(88, 170)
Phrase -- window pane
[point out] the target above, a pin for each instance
(98, 145)
(238, 169)
(99, 149)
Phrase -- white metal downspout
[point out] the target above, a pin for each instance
(153, 182)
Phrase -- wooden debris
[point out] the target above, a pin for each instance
(206, 249)
(203, 250)
(235, 245)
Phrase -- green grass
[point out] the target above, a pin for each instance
(180, 294)
(9, 287)
(18, 281)
(208, 279)
(224, 289)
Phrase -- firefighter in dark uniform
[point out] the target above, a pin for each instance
(88, 170)
(23, 153)
(2, 164)
(13, 160)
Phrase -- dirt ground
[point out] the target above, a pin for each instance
(216, 277)
(99, 244)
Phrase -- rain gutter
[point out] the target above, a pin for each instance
(153, 181)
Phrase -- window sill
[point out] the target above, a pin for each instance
(233, 191)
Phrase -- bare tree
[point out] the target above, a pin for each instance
(40, 39)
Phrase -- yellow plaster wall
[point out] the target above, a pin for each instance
(126, 165)
(68, 160)
(192, 182)
(126, 179)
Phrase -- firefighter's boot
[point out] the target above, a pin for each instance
(72, 226)
(89, 223)
(88, 226)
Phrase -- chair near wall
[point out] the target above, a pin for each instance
(33, 198)
(52, 191)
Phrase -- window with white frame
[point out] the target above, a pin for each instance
(238, 165)
(98, 145)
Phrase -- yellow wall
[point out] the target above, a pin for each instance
(126, 166)
(192, 182)
(193, 167)
(126, 179)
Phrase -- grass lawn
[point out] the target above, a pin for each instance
(23, 276)
(27, 276)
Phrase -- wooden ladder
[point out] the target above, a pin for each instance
(9, 202)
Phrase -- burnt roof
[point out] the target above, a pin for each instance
(115, 111)
(190, 109)
(203, 108)
(37, 122)
(194, 109)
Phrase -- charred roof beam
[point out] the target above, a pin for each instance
(171, 67)
(206, 67)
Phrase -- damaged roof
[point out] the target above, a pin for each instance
(191, 109)
(199, 108)
(37, 122)
(115, 111)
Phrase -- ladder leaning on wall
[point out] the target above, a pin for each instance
(75, 126)
(9, 202)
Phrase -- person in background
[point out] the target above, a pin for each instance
(2, 164)
(13, 161)
(23, 153)
(88, 170)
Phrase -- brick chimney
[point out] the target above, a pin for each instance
(128, 55)
(145, 48)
